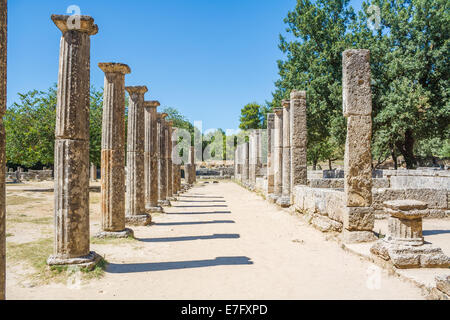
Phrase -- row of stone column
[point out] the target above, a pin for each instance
(151, 177)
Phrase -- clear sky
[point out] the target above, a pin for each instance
(207, 58)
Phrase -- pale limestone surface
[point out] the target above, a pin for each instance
(299, 138)
(270, 152)
(72, 245)
(285, 199)
(113, 150)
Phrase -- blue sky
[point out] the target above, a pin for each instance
(205, 58)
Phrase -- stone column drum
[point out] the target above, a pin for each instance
(277, 155)
(285, 199)
(170, 196)
(151, 157)
(190, 167)
(162, 160)
(175, 162)
(3, 81)
(72, 146)
(135, 196)
(113, 152)
(404, 244)
(357, 108)
(270, 152)
(93, 173)
(299, 138)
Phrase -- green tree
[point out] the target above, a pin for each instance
(251, 117)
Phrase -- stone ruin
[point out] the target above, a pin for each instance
(348, 201)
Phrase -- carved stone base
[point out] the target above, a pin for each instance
(409, 256)
(139, 220)
(126, 233)
(164, 203)
(358, 236)
(284, 202)
(89, 262)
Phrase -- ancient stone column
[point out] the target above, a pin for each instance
(175, 162)
(299, 136)
(258, 153)
(113, 152)
(270, 152)
(72, 145)
(93, 173)
(151, 157)
(277, 155)
(285, 199)
(194, 166)
(3, 80)
(253, 154)
(170, 196)
(135, 196)
(357, 108)
(246, 163)
(162, 156)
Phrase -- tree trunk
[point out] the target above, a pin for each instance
(406, 149)
(330, 164)
(394, 158)
(315, 165)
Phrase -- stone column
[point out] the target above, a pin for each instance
(113, 152)
(72, 146)
(277, 155)
(3, 81)
(135, 196)
(357, 108)
(194, 166)
(299, 136)
(162, 160)
(175, 162)
(170, 196)
(93, 173)
(285, 199)
(258, 153)
(151, 157)
(253, 154)
(246, 164)
(270, 152)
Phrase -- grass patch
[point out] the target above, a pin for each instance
(23, 218)
(9, 235)
(112, 240)
(35, 255)
(94, 198)
(15, 200)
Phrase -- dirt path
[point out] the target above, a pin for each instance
(221, 241)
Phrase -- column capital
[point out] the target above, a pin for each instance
(87, 24)
(296, 95)
(151, 104)
(278, 111)
(136, 90)
(286, 103)
(114, 67)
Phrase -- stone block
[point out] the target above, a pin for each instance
(357, 162)
(359, 218)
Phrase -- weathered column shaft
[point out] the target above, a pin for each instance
(357, 108)
(162, 158)
(3, 81)
(270, 152)
(175, 161)
(72, 144)
(285, 199)
(151, 156)
(193, 167)
(169, 159)
(93, 173)
(246, 162)
(253, 155)
(113, 147)
(278, 153)
(298, 137)
(135, 196)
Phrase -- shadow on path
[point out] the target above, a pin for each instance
(191, 238)
(202, 206)
(207, 201)
(434, 232)
(191, 223)
(202, 197)
(204, 212)
(162, 266)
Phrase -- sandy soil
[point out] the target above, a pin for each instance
(219, 241)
